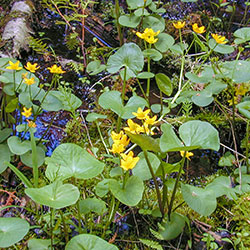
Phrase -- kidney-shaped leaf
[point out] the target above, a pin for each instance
(70, 160)
(165, 41)
(199, 133)
(12, 230)
(129, 56)
(18, 147)
(89, 242)
(131, 194)
(164, 83)
(55, 195)
(92, 205)
(203, 201)
(242, 35)
(39, 244)
(244, 108)
(4, 156)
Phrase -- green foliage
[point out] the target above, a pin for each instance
(38, 45)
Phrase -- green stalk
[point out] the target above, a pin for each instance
(51, 228)
(175, 187)
(102, 139)
(119, 121)
(148, 80)
(155, 182)
(117, 15)
(34, 159)
(165, 188)
(78, 211)
(247, 149)
(66, 235)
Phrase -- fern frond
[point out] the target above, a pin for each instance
(72, 41)
(76, 67)
(151, 244)
(38, 45)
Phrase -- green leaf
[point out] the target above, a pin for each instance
(244, 108)
(102, 187)
(145, 75)
(39, 244)
(199, 133)
(95, 67)
(155, 22)
(170, 229)
(164, 43)
(151, 244)
(164, 83)
(4, 134)
(4, 156)
(92, 205)
(203, 201)
(135, 4)
(141, 169)
(129, 20)
(226, 160)
(70, 160)
(129, 56)
(27, 157)
(242, 35)
(220, 48)
(12, 230)
(89, 242)
(52, 102)
(202, 98)
(12, 105)
(18, 147)
(141, 12)
(196, 78)
(145, 142)
(55, 195)
(237, 70)
(153, 54)
(131, 194)
(222, 185)
(91, 117)
(215, 87)
(169, 140)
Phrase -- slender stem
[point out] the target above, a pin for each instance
(247, 149)
(148, 80)
(117, 15)
(34, 159)
(78, 211)
(143, 92)
(100, 134)
(51, 228)
(165, 188)
(66, 235)
(175, 187)
(155, 182)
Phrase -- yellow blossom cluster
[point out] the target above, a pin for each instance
(240, 90)
(148, 35)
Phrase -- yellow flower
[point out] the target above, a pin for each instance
(188, 154)
(197, 29)
(29, 81)
(179, 24)
(117, 147)
(231, 101)
(147, 130)
(116, 136)
(32, 67)
(141, 115)
(148, 35)
(14, 66)
(241, 90)
(56, 70)
(150, 121)
(133, 127)
(31, 124)
(219, 39)
(129, 161)
(24, 75)
(124, 140)
(26, 112)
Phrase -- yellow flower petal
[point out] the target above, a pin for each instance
(197, 29)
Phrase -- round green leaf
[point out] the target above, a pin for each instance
(39, 244)
(70, 160)
(164, 83)
(4, 134)
(129, 56)
(18, 147)
(202, 98)
(27, 157)
(145, 75)
(102, 188)
(129, 20)
(201, 134)
(153, 54)
(226, 160)
(203, 201)
(131, 194)
(12, 230)
(141, 169)
(91, 117)
(89, 242)
(244, 108)
(155, 22)
(242, 35)
(55, 195)
(220, 48)
(51, 102)
(171, 229)
(4, 156)
(92, 205)
(95, 67)
(165, 42)
(134, 4)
